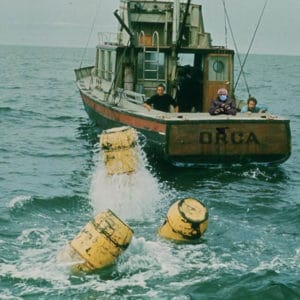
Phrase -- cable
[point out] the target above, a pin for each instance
(235, 46)
(90, 34)
(118, 73)
(225, 30)
(251, 43)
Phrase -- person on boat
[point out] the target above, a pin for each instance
(161, 100)
(252, 107)
(223, 104)
(189, 89)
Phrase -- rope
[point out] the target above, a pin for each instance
(251, 43)
(118, 73)
(236, 48)
(90, 34)
(225, 30)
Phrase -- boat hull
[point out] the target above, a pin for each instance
(207, 140)
(106, 116)
(230, 141)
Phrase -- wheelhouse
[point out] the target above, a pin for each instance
(191, 72)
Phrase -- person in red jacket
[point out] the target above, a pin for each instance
(223, 104)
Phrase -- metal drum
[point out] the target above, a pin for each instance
(99, 243)
(186, 220)
(119, 150)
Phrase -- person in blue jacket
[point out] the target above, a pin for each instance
(252, 107)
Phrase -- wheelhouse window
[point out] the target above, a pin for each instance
(186, 59)
(106, 64)
(151, 65)
(101, 61)
(218, 69)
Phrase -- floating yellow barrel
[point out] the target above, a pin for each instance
(186, 220)
(99, 243)
(119, 150)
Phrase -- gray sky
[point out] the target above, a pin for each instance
(69, 23)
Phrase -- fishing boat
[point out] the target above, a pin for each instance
(161, 42)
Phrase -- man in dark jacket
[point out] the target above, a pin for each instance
(161, 101)
(223, 104)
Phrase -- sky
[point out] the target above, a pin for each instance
(68, 23)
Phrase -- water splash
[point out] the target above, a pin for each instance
(152, 258)
(34, 237)
(130, 196)
(257, 174)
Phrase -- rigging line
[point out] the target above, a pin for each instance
(235, 46)
(91, 31)
(118, 73)
(251, 43)
(225, 31)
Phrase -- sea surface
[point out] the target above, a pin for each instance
(52, 182)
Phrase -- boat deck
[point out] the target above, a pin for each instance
(138, 109)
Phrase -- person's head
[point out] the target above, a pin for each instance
(222, 94)
(160, 89)
(251, 102)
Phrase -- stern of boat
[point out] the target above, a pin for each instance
(234, 141)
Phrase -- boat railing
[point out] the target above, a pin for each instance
(155, 39)
(141, 38)
(108, 38)
(147, 40)
(131, 96)
(83, 72)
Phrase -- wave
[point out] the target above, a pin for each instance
(5, 109)
(61, 118)
(19, 202)
(19, 113)
(24, 202)
(7, 87)
(265, 285)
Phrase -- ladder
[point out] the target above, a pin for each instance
(151, 57)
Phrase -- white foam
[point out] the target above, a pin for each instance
(275, 264)
(34, 236)
(149, 258)
(35, 264)
(130, 196)
(19, 201)
(256, 173)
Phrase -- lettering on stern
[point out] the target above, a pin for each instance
(222, 136)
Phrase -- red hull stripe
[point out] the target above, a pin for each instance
(124, 118)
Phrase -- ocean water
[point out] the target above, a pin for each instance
(52, 183)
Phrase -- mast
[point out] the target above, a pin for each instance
(182, 25)
(176, 20)
(125, 36)
(177, 34)
(122, 23)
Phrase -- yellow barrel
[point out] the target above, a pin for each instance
(100, 242)
(119, 150)
(118, 137)
(186, 220)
